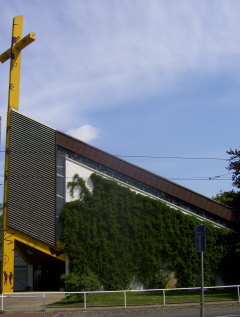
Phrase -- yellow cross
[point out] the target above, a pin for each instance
(14, 54)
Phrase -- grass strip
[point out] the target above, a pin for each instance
(150, 298)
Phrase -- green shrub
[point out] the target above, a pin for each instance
(80, 283)
(159, 279)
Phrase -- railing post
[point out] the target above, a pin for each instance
(125, 299)
(238, 294)
(164, 299)
(44, 305)
(2, 304)
(85, 301)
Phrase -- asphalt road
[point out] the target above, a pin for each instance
(210, 311)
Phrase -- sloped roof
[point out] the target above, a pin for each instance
(144, 176)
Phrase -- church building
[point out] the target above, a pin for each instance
(39, 163)
(42, 161)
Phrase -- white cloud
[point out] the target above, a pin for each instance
(85, 133)
(100, 55)
(158, 71)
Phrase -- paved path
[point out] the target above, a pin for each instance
(17, 303)
(31, 315)
(210, 311)
(184, 311)
(169, 312)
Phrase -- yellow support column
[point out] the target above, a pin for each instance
(12, 236)
(14, 54)
(8, 262)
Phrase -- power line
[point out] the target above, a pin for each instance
(200, 179)
(218, 176)
(176, 157)
(171, 178)
(130, 156)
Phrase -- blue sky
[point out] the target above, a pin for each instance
(144, 79)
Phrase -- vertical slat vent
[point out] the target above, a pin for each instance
(32, 183)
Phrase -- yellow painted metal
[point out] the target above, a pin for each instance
(28, 39)
(13, 99)
(39, 245)
(9, 238)
(5, 56)
(10, 235)
(8, 261)
(15, 64)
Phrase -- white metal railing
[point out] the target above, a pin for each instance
(43, 294)
(24, 295)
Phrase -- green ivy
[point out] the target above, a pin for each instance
(118, 234)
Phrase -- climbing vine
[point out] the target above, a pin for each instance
(117, 235)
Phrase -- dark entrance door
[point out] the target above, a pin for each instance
(46, 276)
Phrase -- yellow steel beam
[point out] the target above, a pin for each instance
(5, 56)
(15, 64)
(55, 252)
(28, 39)
(14, 54)
(10, 235)
(8, 262)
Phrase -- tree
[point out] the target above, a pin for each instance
(225, 197)
(234, 166)
(230, 263)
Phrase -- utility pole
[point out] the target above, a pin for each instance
(200, 241)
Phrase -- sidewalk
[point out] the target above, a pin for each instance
(30, 315)
(33, 304)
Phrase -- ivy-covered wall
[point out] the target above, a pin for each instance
(118, 235)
